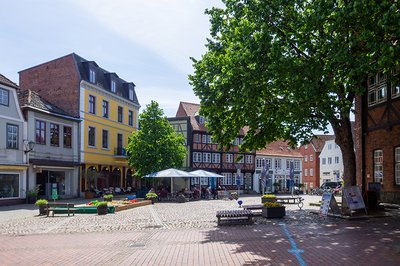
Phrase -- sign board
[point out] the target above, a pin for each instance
(353, 198)
(54, 194)
(328, 201)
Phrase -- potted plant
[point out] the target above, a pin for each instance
(102, 207)
(268, 198)
(151, 196)
(108, 197)
(273, 210)
(31, 195)
(41, 203)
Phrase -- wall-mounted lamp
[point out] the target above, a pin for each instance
(28, 146)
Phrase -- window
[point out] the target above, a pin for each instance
(106, 109)
(40, 132)
(376, 89)
(259, 162)
(4, 97)
(12, 136)
(120, 114)
(92, 104)
(197, 138)
(311, 158)
(113, 86)
(336, 159)
(104, 141)
(54, 135)
(130, 118)
(378, 166)
(201, 120)
(278, 163)
(227, 179)
(207, 157)
(10, 185)
(67, 137)
(236, 142)
(305, 158)
(92, 137)
(329, 160)
(195, 180)
(249, 159)
(209, 139)
(305, 172)
(311, 172)
(235, 178)
(288, 163)
(204, 139)
(216, 158)
(395, 90)
(397, 165)
(92, 76)
(306, 146)
(329, 146)
(197, 157)
(296, 164)
(241, 160)
(323, 160)
(203, 181)
(229, 158)
(131, 94)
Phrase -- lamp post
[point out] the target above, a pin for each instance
(28, 146)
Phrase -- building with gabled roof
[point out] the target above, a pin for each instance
(13, 146)
(277, 157)
(311, 162)
(204, 154)
(107, 107)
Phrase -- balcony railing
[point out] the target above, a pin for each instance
(120, 152)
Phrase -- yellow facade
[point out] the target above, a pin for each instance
(96, 156)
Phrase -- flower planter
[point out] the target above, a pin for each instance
(42, 209)
(102, 210)
(276, 212)
(89, 195)
(263, 200)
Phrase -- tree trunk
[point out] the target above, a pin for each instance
(344, 139)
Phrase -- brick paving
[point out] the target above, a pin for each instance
(186, 234)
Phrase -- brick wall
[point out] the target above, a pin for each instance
(56, 81)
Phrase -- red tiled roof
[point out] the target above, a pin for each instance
(318, 141)
(279, 148)
(7, 82)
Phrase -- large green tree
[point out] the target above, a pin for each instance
(155, 146)
(287, 67)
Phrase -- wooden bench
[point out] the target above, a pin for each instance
(255, 209)
(291, 200)
(233, 217)
(69, 208)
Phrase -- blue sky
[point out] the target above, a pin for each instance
(147, 42)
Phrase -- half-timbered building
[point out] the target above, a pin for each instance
(203, 153)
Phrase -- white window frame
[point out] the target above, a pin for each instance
(227, 179)
(337, 159)
(305, 158)
(131, 94)
(12, 136)
(397, 165)
(216, 158)
(378, 166)
(4, 97)
(113, 86)
(204, 139)
(92, 76)
(329, 160)
(249, 158)
(323, 161)
(306, 172)
(296, 164)
(311, 158)
(229, 157)
(197, 157)
(311, 171)
(278, 163)
(377, 89)
(206, 157)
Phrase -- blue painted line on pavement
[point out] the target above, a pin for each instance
(294, 249)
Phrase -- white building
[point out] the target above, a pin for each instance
(278, 156)
(331, 162)
(13, 143)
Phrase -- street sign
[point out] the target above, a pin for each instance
(328, 201)
(54, 194)
(353, 198)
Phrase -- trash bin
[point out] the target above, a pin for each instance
(372, 199)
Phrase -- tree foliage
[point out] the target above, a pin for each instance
(155, 146)
(287, 67)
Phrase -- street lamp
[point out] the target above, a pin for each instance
(28, 146)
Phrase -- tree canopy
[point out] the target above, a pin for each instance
(155, 146)
(287, 67)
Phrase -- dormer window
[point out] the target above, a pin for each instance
(92, 76)
(131, 94)
(113, 86)
(201, 120)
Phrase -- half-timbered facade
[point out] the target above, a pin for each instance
(378, 137)
(203, 153)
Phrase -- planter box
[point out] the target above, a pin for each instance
(263, 200)
(277, 212)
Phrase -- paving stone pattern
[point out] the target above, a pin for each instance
(187, 234)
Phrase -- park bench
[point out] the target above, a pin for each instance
(291, 200)
(255, 209)
(235, 217)
(68, 208)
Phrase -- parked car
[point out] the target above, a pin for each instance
(331, 185)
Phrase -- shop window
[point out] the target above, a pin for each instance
(9, 185)
(378, 166)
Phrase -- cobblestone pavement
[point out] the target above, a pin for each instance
(187, 234)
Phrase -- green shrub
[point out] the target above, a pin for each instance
(268, 196)
(101, 203)
(270, 204)
(108, 196)
(151, 195)
(41, 202)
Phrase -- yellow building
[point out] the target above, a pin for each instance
(108, 108)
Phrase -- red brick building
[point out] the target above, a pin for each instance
(377, 139)
(311, 162)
